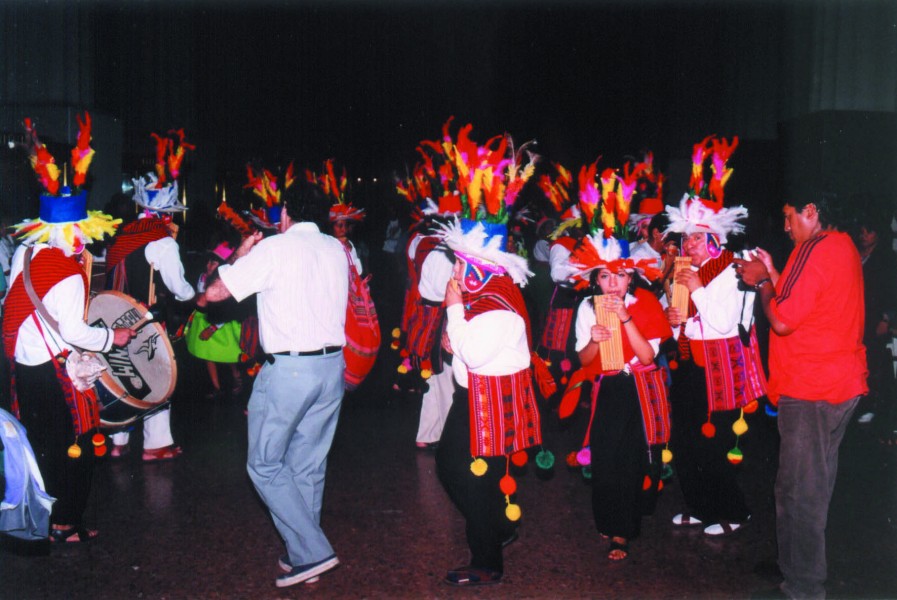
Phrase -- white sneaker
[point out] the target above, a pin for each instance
(866, 418)
(722, 528)
(686, 520)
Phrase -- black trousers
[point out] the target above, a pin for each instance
(620, 460)
(478, 498)
(47, 419)
(707, 478)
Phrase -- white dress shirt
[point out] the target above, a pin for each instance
(435, 274)
(491, 343)
(65, 303)
(585, 319)
(165, 257)
(302, 280)
(721, 307)
(559, 260)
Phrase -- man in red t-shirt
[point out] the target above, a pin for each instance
(817, 366)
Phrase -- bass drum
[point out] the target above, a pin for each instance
(140, 377)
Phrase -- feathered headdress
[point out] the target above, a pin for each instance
(599, 252)
(335, 188)
(488, 180)
(560, 191)
(64, 220)
(606, 212)
(701, 208)
(264, 184)
(648, 192)
(158, 192)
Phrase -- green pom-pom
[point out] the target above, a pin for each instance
(545, 459)
(587, 472)
(666, 472)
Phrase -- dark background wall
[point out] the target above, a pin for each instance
(810, 87)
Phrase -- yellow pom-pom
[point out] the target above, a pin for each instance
(479, 467)
(739, 426)
(666, 456)
(396, 332)
(74, 451)
(394, 345)
(513, 512)
(402, 369)
(426, 374)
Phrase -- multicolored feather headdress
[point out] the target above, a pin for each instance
(158, 192)
(64, 220)
(648, 192)
(560, 192)
(701, 208)
(605, 199)
(487, 179)
(599, 252)
(335, 189)
(264, 184)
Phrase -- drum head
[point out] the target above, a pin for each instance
(144, 371)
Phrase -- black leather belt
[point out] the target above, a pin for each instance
(318, 352)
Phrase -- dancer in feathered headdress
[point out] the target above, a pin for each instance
(343, 216)
(494, 414)
(43, 325)
(630, 413)
(716, 337)
(64, 221)
(144, 261)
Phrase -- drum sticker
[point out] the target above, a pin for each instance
(121, 365)
(148, 347)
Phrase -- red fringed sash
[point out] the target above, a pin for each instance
(734, 374)
(133, 236)
(653, 398)
(557, 329)
(422, 328)
(48, 267)
(504, 417)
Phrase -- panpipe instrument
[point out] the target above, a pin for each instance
(680, 292)
(611, 351)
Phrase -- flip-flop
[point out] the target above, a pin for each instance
(64, 536)
(622, 547)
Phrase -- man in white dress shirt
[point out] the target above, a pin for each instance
(301, 278)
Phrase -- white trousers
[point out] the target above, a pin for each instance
(435, 406)
(156, 431)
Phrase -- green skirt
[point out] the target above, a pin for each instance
(222, 347)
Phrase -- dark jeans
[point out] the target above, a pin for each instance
(47, 419)
(479, 499)
(811, 433)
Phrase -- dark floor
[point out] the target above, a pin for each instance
(194, 528)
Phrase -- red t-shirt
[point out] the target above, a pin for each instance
(820, 296)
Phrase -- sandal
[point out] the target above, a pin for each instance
(65, 536)
(163, 453)
(617, 551)
(686, 520)
(466, 576)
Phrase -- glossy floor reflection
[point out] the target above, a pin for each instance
(194, 528)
